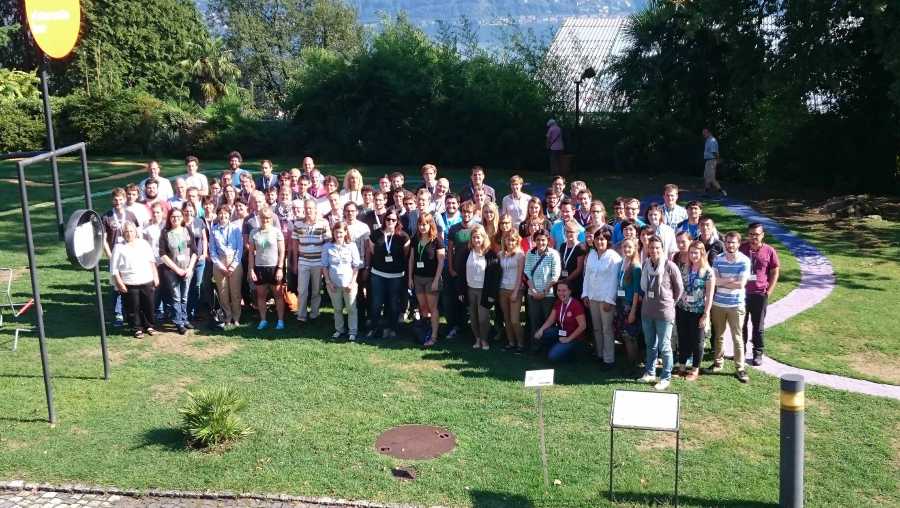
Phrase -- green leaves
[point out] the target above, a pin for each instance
(209, 418)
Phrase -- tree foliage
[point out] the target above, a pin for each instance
(269, 36)
(211, 69)
(407, 98)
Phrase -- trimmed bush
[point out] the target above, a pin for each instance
(210, 419)
(21, 125)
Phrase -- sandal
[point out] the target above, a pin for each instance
(138, 334)
(151, 331)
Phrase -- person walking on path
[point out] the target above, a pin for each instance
(710, 161)
(764, 271)
(732, 271)
(555, 146)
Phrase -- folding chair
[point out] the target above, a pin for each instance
(16, 310)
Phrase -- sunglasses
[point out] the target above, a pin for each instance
(390, 219)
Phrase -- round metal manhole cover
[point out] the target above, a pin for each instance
(415, 442)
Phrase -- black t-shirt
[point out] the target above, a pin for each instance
(459, 236)
(572, 254)
(113, 223)
(380, 253)
(373, 220)
(713, 249)
(427, 254)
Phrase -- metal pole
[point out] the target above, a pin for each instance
(48, 122)
(577, 118)
(611, 442)
(793, 406)
(677, 453)
(89, 205)
(540, 402)
(36, 293)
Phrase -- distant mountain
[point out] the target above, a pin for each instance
(541, 16)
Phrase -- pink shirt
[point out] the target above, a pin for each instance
(761, 262)
(554, 137)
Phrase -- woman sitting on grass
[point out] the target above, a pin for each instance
(266, 259)
(564, 327)
(133, 269)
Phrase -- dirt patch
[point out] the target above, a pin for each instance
(875, 364)
(190, 346)
(408, 388)
(169, 392)
(417, 366)
(12, 445)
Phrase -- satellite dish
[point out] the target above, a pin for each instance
(84, 239)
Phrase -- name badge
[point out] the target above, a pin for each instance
(563, 333)
(752, 278)
(183, 258)
(621, 293)
(689, 299)
(389, 259)
(564, 273)
(651, 294)
(420, 264)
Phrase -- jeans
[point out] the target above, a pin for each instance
(690, 337)
(309, 289)
(387, 293)
(604, 337)
(178, 289)
(139, 306)
(658, 338)
(453, 310)
(733, 317)
(538, 310)
(756, 315)
(558, 351)
(194, 295)
(345, 300)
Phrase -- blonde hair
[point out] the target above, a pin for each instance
(516, 179)
(517, 248)
(704, 260)
(493, 226)
(478, 229)
(353, 172)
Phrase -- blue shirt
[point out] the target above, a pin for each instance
(692, 229)
(444, 224)
(341, 260)
(710, 148)
(236, 177)
(617, 235)
(225, 240)
(558, 233)
(732, 271)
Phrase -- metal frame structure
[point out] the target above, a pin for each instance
(676, 430)
(32, 261)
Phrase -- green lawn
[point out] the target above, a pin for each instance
(317, 407)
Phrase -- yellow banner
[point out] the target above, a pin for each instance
(54, 24)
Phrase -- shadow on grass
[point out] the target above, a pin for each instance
(168, 438)
(486, 499)
(634, 498)
(52, 376)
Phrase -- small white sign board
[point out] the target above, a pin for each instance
(538, 378)
(645, 410)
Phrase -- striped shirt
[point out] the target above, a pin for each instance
(545, 273)
(311, 238)
(731, 271)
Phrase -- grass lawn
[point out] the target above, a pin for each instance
(318, 405)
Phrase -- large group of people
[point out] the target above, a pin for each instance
(220, 248)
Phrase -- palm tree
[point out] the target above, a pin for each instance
(211, 69)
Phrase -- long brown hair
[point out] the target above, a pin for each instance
(628, 263)
(427, 218)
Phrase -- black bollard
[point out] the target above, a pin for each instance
(793, 405)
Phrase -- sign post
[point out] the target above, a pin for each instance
(637, 410)
(536, 379)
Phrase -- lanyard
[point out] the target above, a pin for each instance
(420, 248)
(388, 239)
(563, 307)
(377, 220)
(622, 277)
(567, 254)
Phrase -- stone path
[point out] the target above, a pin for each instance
(816, 283)
(18, 494)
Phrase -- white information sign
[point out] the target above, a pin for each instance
(538, 378)
(645, 410)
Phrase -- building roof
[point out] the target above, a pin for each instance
(583, 42)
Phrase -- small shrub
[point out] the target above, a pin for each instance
(21, 125)
(210, 419)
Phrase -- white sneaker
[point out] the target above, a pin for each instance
(337, 335)
(352, 337)
(647, 378)
(662, 385)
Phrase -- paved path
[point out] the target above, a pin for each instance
(816, 283)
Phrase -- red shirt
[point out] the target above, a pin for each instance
(761, 262)
(569, 321)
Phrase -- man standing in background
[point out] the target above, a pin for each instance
(710, 161)
(555, 146)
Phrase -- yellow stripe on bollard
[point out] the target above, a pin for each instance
(793, 401)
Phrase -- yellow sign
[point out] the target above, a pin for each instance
(54, 25)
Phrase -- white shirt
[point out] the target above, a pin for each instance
(151, 233)
(516, 208)
(323, 206)
(475, 266)
(133, 262)
(163, 188)
(512, 276)
(667, 235)
(349, 195)
(199, 181)
(141, 213)
(601, 276)
(359, 232)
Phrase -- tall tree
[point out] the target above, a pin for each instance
(268, 37)
(211, 70)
